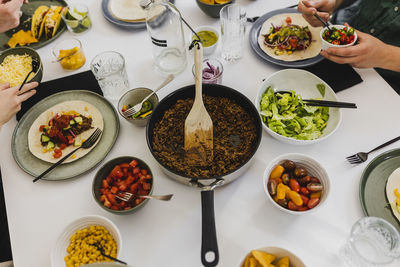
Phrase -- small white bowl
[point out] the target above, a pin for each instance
(303, 83)
(326, 45)
(209, 49)
(59, 251)
(279, 253)
(313, 167)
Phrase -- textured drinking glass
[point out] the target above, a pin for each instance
(372, 242)
(109, 70)
(76, 17)
(233, 28)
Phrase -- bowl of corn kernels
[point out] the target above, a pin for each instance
(81, 240)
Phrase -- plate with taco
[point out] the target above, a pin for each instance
(283, 37)
(380, 187)
(40, 24)
(57, 125)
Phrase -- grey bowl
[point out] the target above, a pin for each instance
(22, 51)
(134, 97)
(105, 170)
(212, 10)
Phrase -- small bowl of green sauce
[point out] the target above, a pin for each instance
(209, 38)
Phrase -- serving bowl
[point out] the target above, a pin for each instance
(133, 97)
(59, 250)
(279, 253)
(22, 51)
(105, 170)
(303, 83)
(314, 169)
(212, 10)
(208, 50)
(326, 45)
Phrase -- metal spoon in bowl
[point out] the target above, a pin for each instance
(136, 108)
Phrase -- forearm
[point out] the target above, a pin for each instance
(391, 58)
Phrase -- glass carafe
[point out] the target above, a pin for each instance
(164, 25)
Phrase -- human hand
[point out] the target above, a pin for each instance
(322, 7)
(11, 99)
(9, 14)
(369, 52)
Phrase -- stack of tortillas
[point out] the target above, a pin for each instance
(128, 10)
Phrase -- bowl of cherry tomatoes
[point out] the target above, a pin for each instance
(119, 177)
(296, 183)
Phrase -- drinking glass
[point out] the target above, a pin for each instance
(69, 54)
(233, 28)
(76, 17)
(372, 242)
(109, 70)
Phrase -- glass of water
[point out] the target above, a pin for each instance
(233, 28)
(372, 242)
(109, 70)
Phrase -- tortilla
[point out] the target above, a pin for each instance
(130, 10)
(34, 135)
(297, 19)
(392, 183)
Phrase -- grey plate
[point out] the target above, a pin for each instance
(34, 166)
(25, 24)
(373, 186)
(120, 23)
(255, 32)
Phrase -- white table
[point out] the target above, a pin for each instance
(169, 234)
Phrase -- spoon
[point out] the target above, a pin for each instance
(136, 108)
(105, 255)
(35, 67)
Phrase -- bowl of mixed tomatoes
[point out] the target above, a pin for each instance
(120, 176)
(339, 36)
(296, 183)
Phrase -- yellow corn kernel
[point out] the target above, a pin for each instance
(289, 52)
(90, 116)
(73, 156)
(44, 150)
(86, 109)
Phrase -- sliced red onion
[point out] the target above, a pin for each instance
(72, 133)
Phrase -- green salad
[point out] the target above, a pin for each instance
(287, 115)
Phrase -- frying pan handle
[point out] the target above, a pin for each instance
(209, 243)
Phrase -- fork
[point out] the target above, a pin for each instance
(85, 145)
(127, 196)
(99, 248)
(136, 108)
(363, 156)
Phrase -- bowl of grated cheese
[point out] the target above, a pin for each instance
(16, 63)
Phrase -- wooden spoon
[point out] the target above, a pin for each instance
(198, 124)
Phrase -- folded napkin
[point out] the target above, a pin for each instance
(338, 76)
(81, 81)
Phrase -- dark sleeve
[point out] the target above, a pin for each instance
(346, 3)
(5, 246)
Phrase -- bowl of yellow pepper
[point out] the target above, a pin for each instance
(69, 54)
(296, 183)
(213, 7)
(81, 241)
(133, 97)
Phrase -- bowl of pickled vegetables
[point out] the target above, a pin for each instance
(338, 36)
(296, 183)
(133, 97)
(69, 53)
(80, 241)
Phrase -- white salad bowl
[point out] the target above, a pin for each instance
(303, 83)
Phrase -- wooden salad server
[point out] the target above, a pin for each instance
(198, 124)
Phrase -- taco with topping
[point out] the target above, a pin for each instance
(62, 128)
(393, 192)
(289, 37)
(38, 19)
(52, 21)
